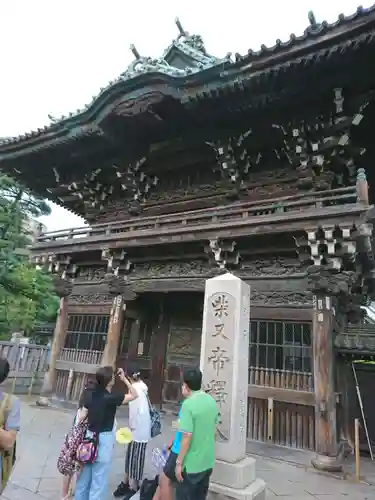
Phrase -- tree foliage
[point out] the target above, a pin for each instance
(26, 293)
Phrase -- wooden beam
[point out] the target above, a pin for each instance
(284, 395)
(76, 367)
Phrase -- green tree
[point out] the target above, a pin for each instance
(26, 293)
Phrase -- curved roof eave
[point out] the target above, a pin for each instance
(119, 91)
(145, 71)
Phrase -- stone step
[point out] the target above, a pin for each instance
(255, 491)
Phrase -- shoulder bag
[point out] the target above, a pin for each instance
(155, 419)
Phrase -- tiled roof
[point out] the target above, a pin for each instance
(314, 31)
(192, 47)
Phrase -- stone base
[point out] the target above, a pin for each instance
(327, 464)
(255, 490)
(236, 475)
(43, 401)
(237, 480)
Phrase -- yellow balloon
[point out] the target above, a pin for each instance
(124, 435)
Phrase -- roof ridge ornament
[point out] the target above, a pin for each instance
(314, 25)
(183, 33)
(135, 52)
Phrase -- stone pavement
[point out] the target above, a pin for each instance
(35, 476)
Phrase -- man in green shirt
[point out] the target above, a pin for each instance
(197, 424)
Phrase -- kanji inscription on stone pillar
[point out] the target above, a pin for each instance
(225, 359)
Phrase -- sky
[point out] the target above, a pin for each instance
(55, 55)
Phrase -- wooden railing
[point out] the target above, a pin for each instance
(281, 379)
(247, 210)
(80, 356)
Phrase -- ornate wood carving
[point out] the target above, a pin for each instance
(185, 338)
(62, 270)
(340, 266)
(91, 274)
(196, 268)
(90, 298)
(278, 298)
(192, 185)
(63, 287)
(139, 104)
(321, 149)
(223, 253)
(233, 158)
(170, 268)
(278, 266)
(267, 298)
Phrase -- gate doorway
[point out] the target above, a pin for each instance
(281, 392)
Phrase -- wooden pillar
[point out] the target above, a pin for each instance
(159, 344)
(324, 385)
(116, 321)
(58, 342)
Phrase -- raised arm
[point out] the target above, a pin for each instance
(132, 394)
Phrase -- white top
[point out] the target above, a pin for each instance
(139, 414)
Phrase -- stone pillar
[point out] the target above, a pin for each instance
(225, 367)
(324, 385)
(116, 321)
(59, 336)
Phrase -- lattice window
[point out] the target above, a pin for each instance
(281, 346)
(87, 332)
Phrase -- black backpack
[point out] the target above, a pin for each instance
(148, 488)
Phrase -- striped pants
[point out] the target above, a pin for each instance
(135, 460)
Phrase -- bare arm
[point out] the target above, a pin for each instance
(7, 439)
(132, 394)
(184, 447)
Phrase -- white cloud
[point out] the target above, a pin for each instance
(56, 55)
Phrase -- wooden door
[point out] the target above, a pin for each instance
(281, 393)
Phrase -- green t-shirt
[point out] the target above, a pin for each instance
(198, 417)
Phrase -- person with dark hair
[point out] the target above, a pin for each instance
(67, 463)
(99, 408)
(140, 426)
(197, 425)
(10, 416)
